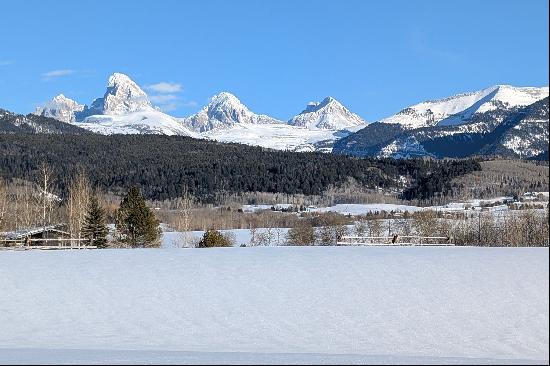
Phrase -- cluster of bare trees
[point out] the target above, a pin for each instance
(28, 204)
(24, 204)
(269, 236)
(80, 192)
(510, 229)
(502, 178)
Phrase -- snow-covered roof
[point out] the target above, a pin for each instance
(23, 233)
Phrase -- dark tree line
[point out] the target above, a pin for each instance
(439, 180)
(163, 165)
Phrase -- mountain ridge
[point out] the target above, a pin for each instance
(125, 108)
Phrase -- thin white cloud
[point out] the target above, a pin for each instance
(169, 107)
(163, 98)
(190, 104)
(165, 87)
(6, 62)
(57, 73)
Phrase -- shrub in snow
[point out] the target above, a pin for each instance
(360, 228)
(213, 238)
(301, 234)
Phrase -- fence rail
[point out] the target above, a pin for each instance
(396, 240)
(62, 243)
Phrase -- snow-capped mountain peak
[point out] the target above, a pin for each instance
(225, 110)
(328, 114)
(225, 102)
(124, 109)
(123, 96)
(460, 108)
(60, 108)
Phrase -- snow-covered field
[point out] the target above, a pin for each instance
(275, 305)
(179, 239)
(275, 136)
(363, 209)
(355, 209)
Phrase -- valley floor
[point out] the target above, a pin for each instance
(275, 305)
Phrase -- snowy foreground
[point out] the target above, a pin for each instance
(275, 305)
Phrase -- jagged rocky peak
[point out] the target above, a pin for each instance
(328, 114)
(225, 110)
(123, 96)
(61, 108)
(226, 106)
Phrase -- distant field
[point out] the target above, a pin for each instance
(269, 305)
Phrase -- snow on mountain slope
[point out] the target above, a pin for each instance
(141, 122)
(61, 108)
(327, 115)
(123, 96)
(459, 109)
(278, 136)
(406, 148)
(225, 110)
(298, 305)
(124, 109)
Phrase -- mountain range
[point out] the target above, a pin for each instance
(501, 119)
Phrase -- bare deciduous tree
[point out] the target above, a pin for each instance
(77, 204)
(45, 184)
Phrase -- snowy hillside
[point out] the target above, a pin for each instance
(272, 305)
(225, 110)
(459, 109)
(278, 136)
(149, 121)
(17, 123)
(327, 115)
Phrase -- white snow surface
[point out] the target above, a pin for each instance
(278, 136)
(148, 121)
(363, 209)
(327, 115)
(459, 109)
(182, 239)
(272, 305)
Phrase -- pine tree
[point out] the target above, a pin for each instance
(136, 223)
(94, 227)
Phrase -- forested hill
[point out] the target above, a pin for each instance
(17, 123)
(162, 165)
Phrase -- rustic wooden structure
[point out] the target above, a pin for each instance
(44, 237)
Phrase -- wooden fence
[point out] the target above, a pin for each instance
(62, 243)
(396, 240)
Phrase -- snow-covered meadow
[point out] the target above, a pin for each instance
(273, 305)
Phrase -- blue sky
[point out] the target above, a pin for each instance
(376, 57)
